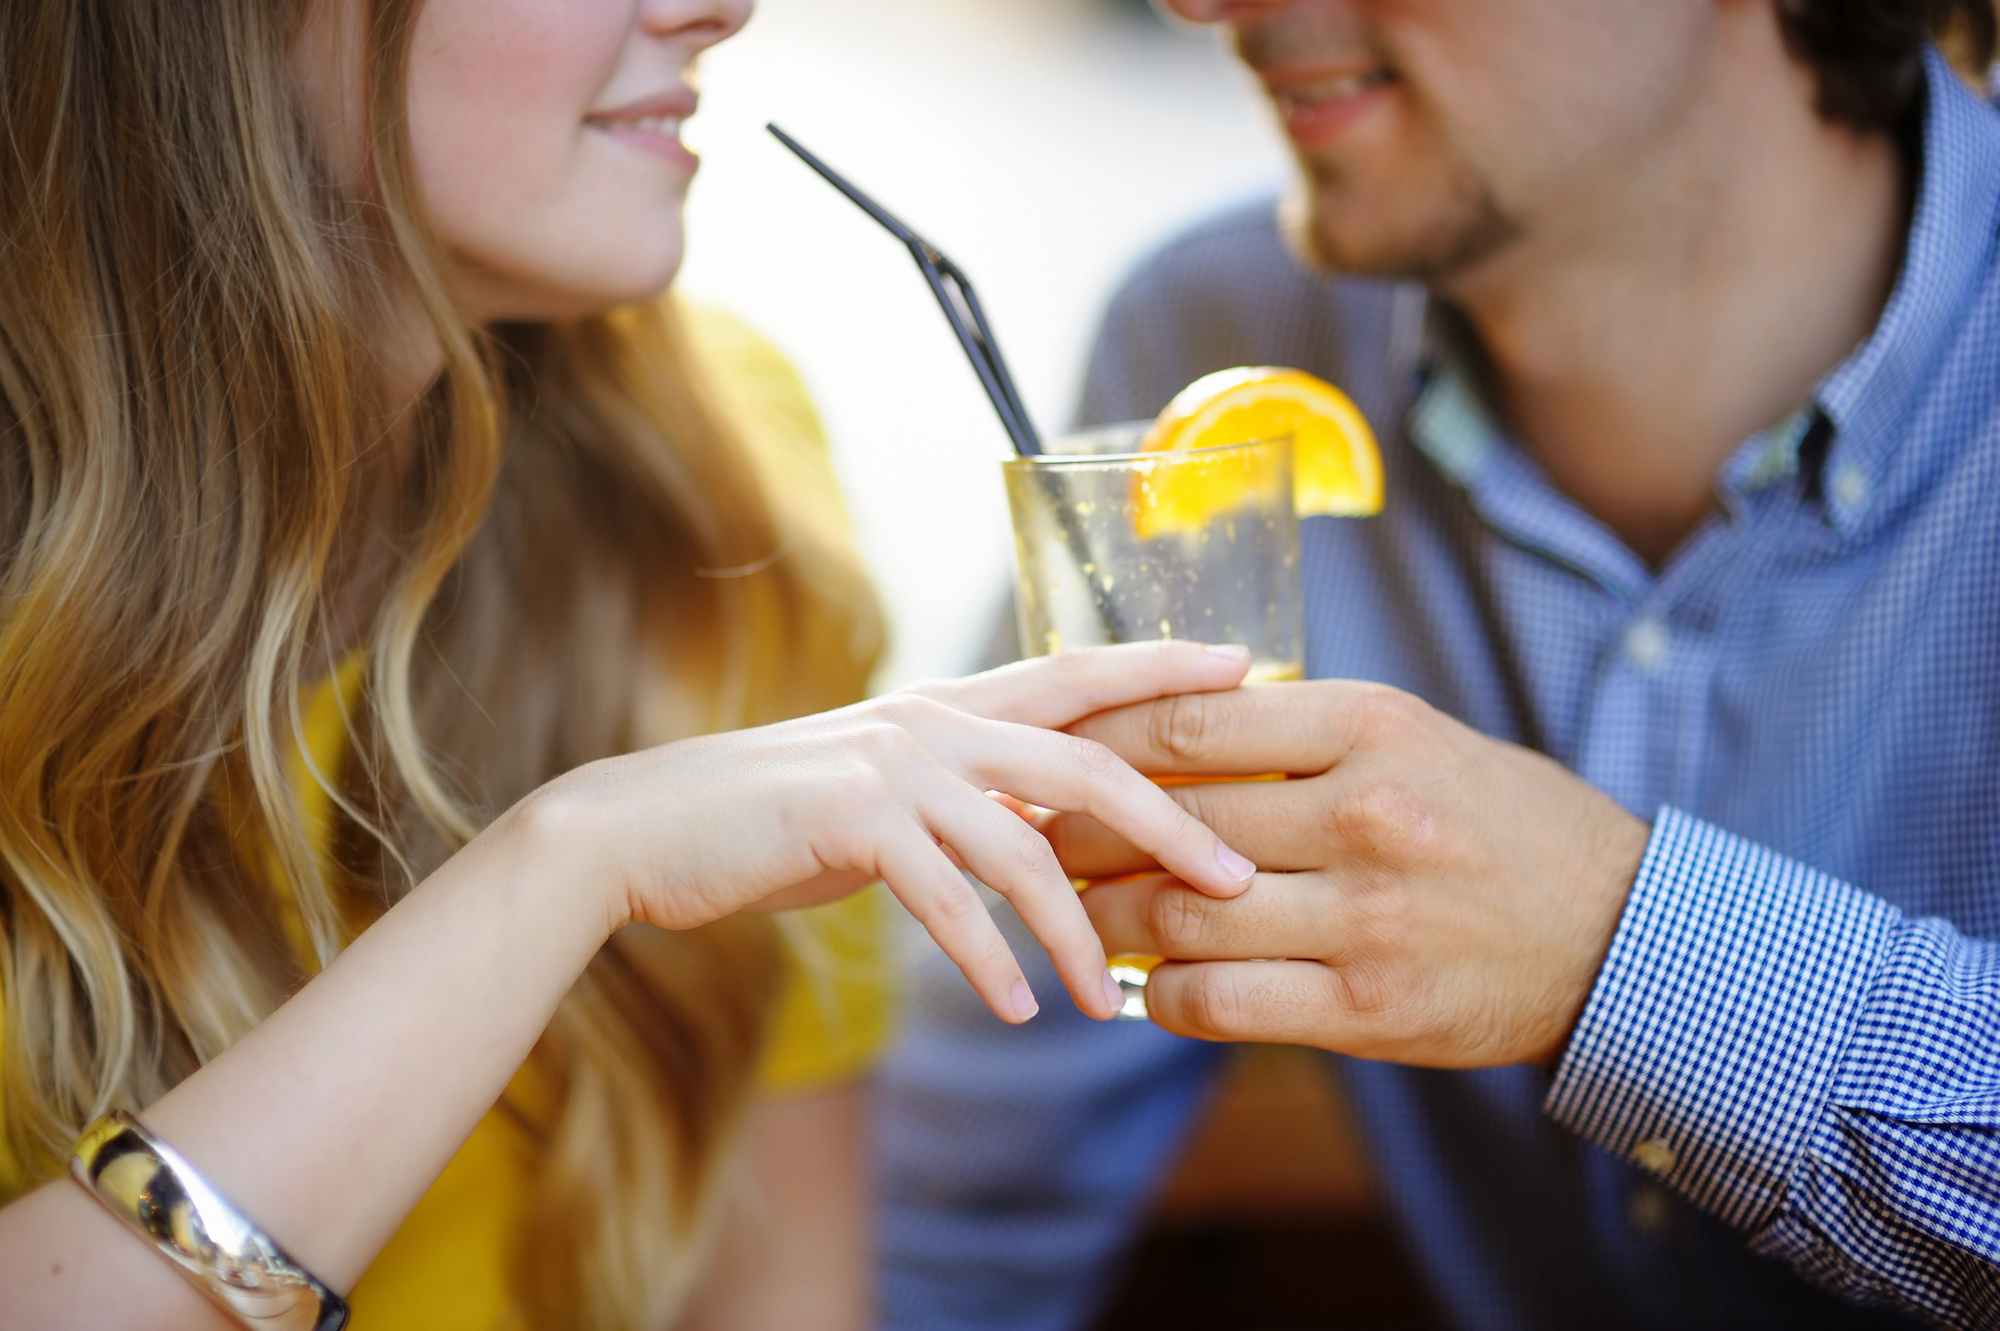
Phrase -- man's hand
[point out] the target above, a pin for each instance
(1438, 897)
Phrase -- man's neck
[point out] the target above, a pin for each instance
(1638, 336)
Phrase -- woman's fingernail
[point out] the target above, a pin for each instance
(1233, 864)
(1025, 1005)
(1233, 651)
(1115, 993)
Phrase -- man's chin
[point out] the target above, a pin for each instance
(1434, 250)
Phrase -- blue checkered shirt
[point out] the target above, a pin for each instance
(1782, 1105)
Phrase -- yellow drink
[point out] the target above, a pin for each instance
(1115, 545)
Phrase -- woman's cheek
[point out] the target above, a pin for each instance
(498, 90)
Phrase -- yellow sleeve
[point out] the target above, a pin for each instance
(836, 1004)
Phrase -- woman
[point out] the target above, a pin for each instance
(361, 519)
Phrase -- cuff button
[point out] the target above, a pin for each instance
(1654, 1156)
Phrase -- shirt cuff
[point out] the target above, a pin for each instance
(1708, 1047)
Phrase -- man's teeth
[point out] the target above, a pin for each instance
(1347, 85)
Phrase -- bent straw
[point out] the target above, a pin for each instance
(955, 296)
(961, 307)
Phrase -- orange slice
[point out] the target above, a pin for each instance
(1337, 469)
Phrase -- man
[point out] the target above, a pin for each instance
(1653, 893)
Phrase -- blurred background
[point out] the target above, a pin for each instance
(1044, 145)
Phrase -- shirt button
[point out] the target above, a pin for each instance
(1649, 1210)
(1654, 1156)
(1850, 487)
(1647, 643)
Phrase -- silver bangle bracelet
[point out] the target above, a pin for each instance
(158, 1195)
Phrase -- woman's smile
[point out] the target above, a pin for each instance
(652, 125)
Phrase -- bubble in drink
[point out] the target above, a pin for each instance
(1102, 558)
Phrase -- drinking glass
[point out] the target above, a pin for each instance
(1117, 545)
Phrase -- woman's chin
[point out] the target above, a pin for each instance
(570, 294)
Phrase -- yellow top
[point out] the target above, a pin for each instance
(445, 1268)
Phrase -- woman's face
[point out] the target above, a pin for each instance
(545, 137)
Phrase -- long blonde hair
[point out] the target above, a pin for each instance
(193, 472)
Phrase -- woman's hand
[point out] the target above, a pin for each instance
(308, 1122)
(897, 788)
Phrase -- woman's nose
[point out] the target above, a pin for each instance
(709, 21)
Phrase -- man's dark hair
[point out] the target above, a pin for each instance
(1867, 55)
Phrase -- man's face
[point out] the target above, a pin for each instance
(1436, 135)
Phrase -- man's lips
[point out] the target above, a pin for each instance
(1317, 106)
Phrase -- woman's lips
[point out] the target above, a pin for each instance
(651, 124)
(656, 134)
(1316, 110)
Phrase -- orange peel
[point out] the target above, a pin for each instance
(1336, 466)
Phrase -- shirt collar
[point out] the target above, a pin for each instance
(1870, 397)
(1449, 420)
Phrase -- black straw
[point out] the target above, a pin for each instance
(955, 296)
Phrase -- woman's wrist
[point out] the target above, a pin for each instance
(160, 1198)
(448, 990)
(557, 850)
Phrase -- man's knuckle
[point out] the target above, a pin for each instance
(1214, 1002)
(1381, 712)
(1177, 921)
(1385, 819)
(1203, 808)
(1363, 989)
(1183, 727)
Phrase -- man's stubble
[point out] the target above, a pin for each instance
(1452, 221)
(1463, 228)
